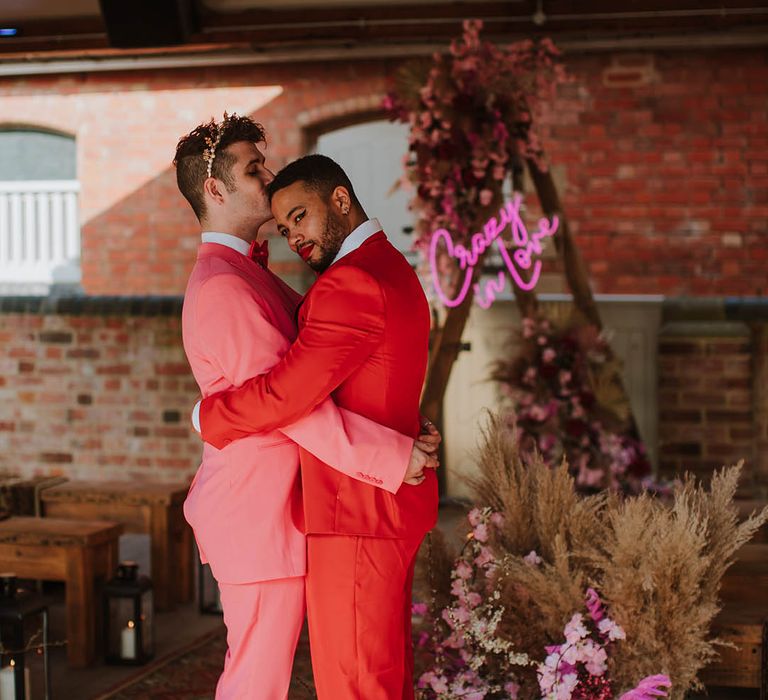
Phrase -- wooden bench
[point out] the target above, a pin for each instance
(82, 554)
(743, 665)
(143, 507)
(744, 623)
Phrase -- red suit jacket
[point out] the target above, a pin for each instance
(363, 337)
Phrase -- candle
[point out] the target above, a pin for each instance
(127, 642)
(8, 682)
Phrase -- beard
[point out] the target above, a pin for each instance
(330, 242)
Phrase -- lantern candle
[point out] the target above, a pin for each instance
(128, 641)
(8, 682)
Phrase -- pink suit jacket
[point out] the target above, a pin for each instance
(244, 503)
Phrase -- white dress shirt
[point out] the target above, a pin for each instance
(228, 240)
(358, 236)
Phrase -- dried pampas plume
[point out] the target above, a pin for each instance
(658, 566)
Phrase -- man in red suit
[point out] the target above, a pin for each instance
(363, 337)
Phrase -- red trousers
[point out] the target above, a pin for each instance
(359, 611)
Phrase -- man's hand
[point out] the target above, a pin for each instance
(420, 461)
(429, 440)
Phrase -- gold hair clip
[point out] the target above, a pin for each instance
(212, 142)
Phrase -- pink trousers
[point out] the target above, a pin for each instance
(263, 622)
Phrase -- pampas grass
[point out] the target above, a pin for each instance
(658, 566)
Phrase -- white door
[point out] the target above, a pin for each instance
(372, 156)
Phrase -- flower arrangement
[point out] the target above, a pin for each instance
(563, 409)
(471, 113)
(471, 660)
(516, 613)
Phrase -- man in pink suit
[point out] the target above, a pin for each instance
(244, 504)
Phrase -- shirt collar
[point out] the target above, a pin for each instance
(227, 239)
(358, 236)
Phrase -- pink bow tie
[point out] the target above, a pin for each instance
(259, 253)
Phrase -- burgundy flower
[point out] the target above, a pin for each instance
(576, 428)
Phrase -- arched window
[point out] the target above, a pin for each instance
(372, 154)
(39, 221)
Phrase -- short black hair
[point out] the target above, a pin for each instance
(318, 172)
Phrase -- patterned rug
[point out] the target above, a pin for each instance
(191, 673)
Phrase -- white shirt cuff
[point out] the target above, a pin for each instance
(196, 416)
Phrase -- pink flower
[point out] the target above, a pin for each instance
(512, 689)
(438, 683)
(596, 659)
(532, 559)
(594, 605)
(485, 557)
(475, 516)
(591, 478)
(481, 532)
(575, 630)
(548, 355)
(486, 197)
(648, 688)
(473, 599)
(463, 570)
(547, 442)
(497, 519)
(611, 630)
(529, 327)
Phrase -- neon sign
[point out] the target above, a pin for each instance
(525, 247)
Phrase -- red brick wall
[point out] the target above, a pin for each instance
(666, 159)
(664, 156)
(104, 394)
(706, 398)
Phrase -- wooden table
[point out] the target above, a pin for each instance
(81, 553)
(143, 507)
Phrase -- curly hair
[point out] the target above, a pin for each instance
(191, 166)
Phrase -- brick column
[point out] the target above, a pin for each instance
(760, 399)
(705, 398)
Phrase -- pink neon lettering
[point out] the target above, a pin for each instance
(446, 300)
(486, 297)
(526, 246)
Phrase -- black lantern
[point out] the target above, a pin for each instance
(208, 593)
(129, 617)
(24, 671)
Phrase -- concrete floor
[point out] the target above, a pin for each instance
(174, 630)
